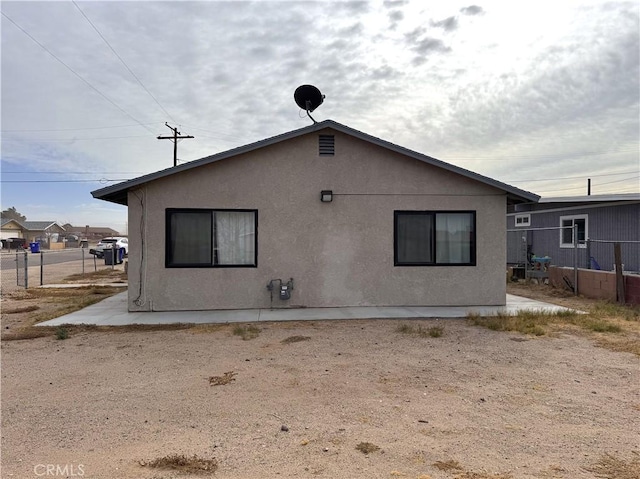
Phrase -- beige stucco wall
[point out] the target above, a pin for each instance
(339, 253)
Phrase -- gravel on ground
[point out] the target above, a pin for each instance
(354, 399)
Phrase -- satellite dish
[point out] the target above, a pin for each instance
(308, 98)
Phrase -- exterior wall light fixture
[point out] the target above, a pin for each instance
(326, 196)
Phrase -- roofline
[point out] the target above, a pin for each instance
(24, 225)
(9, 220)
(585, 206)
(118, 193)
(592, 198)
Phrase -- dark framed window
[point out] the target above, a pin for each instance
(434, 238)
(206, 238)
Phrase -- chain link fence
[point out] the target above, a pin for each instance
(556, 246)
(24, 269)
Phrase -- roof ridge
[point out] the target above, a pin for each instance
(118, 193)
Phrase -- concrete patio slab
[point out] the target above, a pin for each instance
(113, 312)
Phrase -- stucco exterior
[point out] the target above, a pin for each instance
(339, 253)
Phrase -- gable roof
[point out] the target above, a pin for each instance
(40, 225)
(10, 220)
(118, 193)
(91, 229)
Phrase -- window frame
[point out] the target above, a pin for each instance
(473, 244)
(167, 247)
(584, 217)
(526, 220)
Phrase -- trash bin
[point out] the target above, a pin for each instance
(113, 256)
(35, 247)
(109, 257)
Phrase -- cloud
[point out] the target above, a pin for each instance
(394, 3)
(426, 47)
(449, 24)
(472, 10)
(395, 16)
(226, 73)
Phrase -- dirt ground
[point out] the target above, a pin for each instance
(305, 399)
(22, 307)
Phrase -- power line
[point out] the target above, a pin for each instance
(597, 185)
(122, 61)
(76, 139)
(78, 129)
(75, 73)
(230, 135)
(573, 177)
(542, 157)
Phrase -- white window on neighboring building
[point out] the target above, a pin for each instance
(567, 228)
(523, 220)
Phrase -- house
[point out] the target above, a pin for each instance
(547, 228)
(325, 215)
(91, 232)
(10, 228)
(45, 232)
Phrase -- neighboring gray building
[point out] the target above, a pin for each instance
(602, 219)
(353, 219)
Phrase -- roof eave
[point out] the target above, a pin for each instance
(118, 193)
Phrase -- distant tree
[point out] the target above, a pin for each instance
(12, 214)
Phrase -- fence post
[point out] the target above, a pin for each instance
(575, 259)
(17, 270)
(526, 258)
(588, 253)
(41, 268)
(26, 269)
(617, 255)
(82, 249)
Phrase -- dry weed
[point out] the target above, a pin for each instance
(447, 466)
(295, 339)
(367, 447)
(246, 332)
(611, 467)
(226, 378)
(184, 464)
(25, 309)
(454, 467)
(30, 332)
(107, 273)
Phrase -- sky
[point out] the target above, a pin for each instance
(541, 95)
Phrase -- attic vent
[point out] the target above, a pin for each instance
(326, 144)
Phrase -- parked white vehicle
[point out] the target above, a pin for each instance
(121, 243)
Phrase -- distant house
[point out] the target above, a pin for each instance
(546, 228)
(342, 218)
(44, 232)
(91, 232)
(10, 229)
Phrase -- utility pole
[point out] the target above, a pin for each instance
(176, 136)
